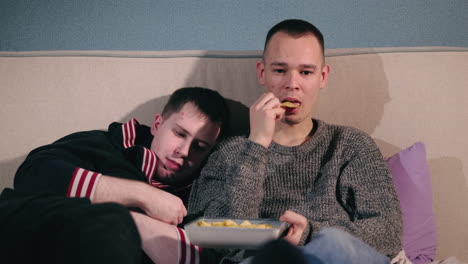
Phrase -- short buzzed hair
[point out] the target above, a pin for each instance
(295, 28)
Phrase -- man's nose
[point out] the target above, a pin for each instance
(183, 149)
(292, 81)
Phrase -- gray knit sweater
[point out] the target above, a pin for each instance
(338, 178)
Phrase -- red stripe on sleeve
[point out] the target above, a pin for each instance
(91, 184)
(132, 132)
(149, 163)
(124, 137)
(183, 256)
(81, 183)
(70, 185)
(144, 165)
(193, 255)
(127, 135)
(186, 247)
(159, 185)
(152, 164)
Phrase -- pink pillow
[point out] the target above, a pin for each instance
(410, 174)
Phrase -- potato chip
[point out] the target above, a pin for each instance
(203, 223)
(246, 223)
(217, 224)
(264, 226)
(288, 105)
(231, 223)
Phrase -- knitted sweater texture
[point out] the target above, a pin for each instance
(338, 178)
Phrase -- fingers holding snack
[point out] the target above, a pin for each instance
(263, 115)
(269, 105)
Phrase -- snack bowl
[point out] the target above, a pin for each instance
(234, 237)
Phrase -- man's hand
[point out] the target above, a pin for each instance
(263, 115)
(159, 240)
(298, 224)
(156, 203)
(165, 207)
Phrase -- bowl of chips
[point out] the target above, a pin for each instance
(233, 233)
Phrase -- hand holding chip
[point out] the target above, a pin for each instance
(263, 115)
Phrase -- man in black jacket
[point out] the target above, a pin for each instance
(72, 198)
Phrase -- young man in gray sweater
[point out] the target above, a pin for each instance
(299, 169)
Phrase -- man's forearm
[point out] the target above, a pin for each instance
(156, 203)
(129, 193)
(159, 240)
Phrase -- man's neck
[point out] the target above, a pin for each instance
(293, 135)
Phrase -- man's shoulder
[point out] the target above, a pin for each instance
(343, 130)
(91, 135)
(82, 135)
(230, 142)
(231, 147)
(347, 137)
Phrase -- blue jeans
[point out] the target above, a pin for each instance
(330, 245)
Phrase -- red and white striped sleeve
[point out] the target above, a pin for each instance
(188, 252)
(129, 133)
(148, 165)
(83, 183)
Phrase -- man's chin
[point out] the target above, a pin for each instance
(291, 120)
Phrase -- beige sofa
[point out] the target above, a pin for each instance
(398, 96)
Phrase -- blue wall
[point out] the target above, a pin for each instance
(27, 25)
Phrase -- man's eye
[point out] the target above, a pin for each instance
(179, 134)
(199, 147)
(307, 72)
(279, 70)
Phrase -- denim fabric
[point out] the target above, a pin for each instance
(332, 245)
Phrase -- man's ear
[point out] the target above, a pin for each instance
(260, 72)
(158, 119)
(324, 76)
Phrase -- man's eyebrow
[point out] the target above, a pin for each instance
(183, 129)
(309, 66)
(305, 66)
(186, 132)
(279, 64)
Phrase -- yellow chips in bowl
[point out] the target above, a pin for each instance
(230, 223)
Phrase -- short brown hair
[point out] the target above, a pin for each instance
(295, 28)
